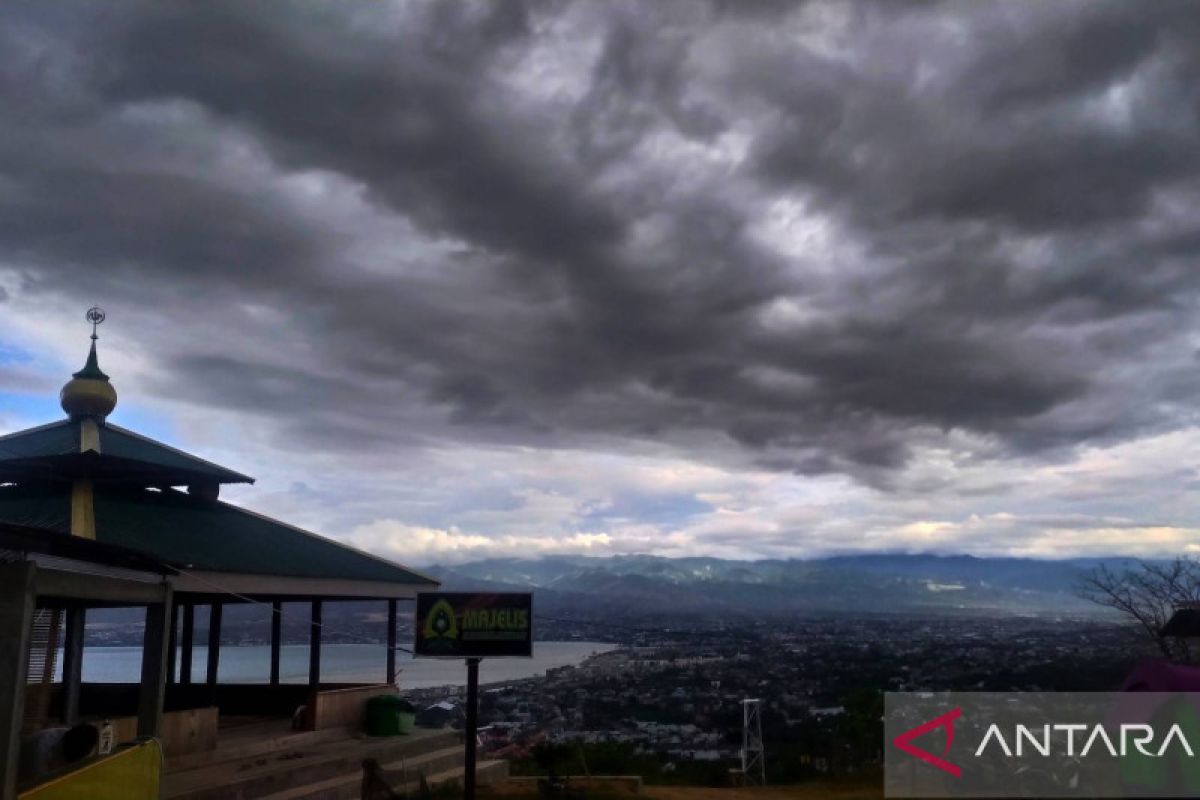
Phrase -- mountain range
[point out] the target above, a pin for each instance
(661, 592)
(877, 583)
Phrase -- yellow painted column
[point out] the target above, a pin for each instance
(83, 510)
(89, 435)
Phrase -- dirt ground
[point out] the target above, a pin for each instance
(814, 790)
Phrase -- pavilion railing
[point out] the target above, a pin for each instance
(43, 654)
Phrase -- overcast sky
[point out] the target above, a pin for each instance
(742, 279)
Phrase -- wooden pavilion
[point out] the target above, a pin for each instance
(149, 520)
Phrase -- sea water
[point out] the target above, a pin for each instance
(340, 663)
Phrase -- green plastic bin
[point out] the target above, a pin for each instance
(390, 715)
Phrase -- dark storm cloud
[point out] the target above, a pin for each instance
(996, 126)
(548, 222)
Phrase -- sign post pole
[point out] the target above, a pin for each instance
(472, 727)
(473, 625)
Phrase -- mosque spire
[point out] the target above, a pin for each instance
(89, 394)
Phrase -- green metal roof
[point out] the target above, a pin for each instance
(196, 534)
(210, 535)
(37, 506)
(121, 452)
(23, 539)
(55, 439)
(121, 443)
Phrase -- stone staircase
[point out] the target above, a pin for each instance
(268, 761)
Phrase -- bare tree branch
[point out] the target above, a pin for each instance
(1149, 594)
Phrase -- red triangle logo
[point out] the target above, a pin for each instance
(904, 741)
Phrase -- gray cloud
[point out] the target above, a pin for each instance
(556, 223)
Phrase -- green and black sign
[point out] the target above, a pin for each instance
(474, 625)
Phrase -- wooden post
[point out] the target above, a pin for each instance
(172, 643)
(188, 635)
(276, 639)
(17, 602)
(72, 663)
(472, 728)
(154, 666)
(314, 648)
(391, 642)
(214, 650)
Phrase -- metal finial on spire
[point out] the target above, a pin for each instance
(91, 369)
(89, 392)
(95, 315)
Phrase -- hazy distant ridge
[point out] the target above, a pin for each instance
(900, 583)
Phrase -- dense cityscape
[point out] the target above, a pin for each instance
(669, 703)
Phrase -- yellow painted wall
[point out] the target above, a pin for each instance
(129, 774)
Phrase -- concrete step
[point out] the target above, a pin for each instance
(409, 771)
(255, 740)
(438, 767)
(280, 770)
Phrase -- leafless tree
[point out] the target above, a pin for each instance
(1149, 593)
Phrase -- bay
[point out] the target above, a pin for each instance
(341, 663)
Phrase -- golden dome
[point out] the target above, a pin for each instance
(88, 393)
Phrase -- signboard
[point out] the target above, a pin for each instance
(474, 624)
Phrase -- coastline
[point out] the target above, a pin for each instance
(446, 688)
